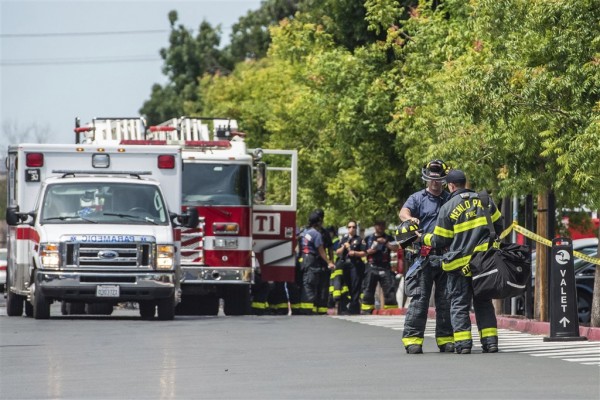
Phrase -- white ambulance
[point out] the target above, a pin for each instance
(93, 226)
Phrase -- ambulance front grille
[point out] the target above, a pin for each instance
(109, 255)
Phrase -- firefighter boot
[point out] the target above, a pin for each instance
(490, 344)
(414, 349)
(447, 348)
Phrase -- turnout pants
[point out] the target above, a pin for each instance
(460, 290)
(416, 316)
(315, 286)
(373, 275)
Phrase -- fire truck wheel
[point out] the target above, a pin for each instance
(14, 302)
(41, 306)
(237, 300)
(166, 309)
(147, 309)
(97, 309)
(73, 308)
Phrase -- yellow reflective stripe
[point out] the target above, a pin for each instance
(443, 232)
(330, 289)
(442, 340)
(427, 239)
(481, 247)
(496, 216)
(337, 293)
(306, 306)
(337, 272)
(258, 305)
(407, 341)
(345, 289)
(465, 335)
(468, 225)
(367, 307)
(280, 306)
(487, 332)
(295, 306)
(321, 310)
(455, 264)
(390, 307)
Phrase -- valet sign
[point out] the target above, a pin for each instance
(564, 320)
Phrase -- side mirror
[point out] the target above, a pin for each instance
(191, 220)
(261, 182)
(14, 217)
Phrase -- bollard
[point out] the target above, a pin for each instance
(564, 320)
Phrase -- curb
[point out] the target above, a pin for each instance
(515, 323)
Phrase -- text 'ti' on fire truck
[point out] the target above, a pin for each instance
(243, 222)
(93, 226)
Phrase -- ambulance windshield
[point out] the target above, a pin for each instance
(216, 184)
(103, 202)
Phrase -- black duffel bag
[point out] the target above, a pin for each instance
(501, 272)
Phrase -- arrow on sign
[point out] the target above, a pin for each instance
(564, 321)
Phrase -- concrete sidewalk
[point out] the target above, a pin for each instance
(512, 322)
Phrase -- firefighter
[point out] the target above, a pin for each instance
(315, 265)
(322, 302)
(349, 271)
(462, 227)
(378, 247)
(421, 208)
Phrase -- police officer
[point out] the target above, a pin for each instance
(349, 270)
(315, 268)
(422, 208)
(378, 247)
(462, 227)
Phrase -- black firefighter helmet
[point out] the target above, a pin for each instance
(435, 170)
(406, 233)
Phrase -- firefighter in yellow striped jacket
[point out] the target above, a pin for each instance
(462, 228)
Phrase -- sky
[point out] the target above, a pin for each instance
(65, 59)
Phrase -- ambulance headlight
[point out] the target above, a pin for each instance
(49, 255)
(165, 256)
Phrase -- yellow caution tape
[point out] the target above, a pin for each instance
(544, 241)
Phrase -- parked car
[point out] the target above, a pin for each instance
(585, 273)
(3, 264)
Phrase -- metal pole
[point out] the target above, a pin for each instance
(515, 213)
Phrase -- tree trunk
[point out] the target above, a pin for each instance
(541, 271)
(595, 321)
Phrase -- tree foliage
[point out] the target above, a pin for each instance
(370, 91)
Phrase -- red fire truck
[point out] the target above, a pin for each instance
(246, 201)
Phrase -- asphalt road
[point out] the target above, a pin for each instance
(124, 357)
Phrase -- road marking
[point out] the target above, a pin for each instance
(581, 352)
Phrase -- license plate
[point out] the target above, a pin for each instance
(107, 291)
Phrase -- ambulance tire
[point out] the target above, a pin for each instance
(41, 306)
(237, 300)
(14, 302)
(147, 309)
(166, 309)
(28, 309)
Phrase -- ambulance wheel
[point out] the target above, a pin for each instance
(41, 306)
(166, 309)
(237, 300)
(147, 309)
(28, 309)
(14, 302)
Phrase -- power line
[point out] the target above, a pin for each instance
(87, 60)
(57, 34)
